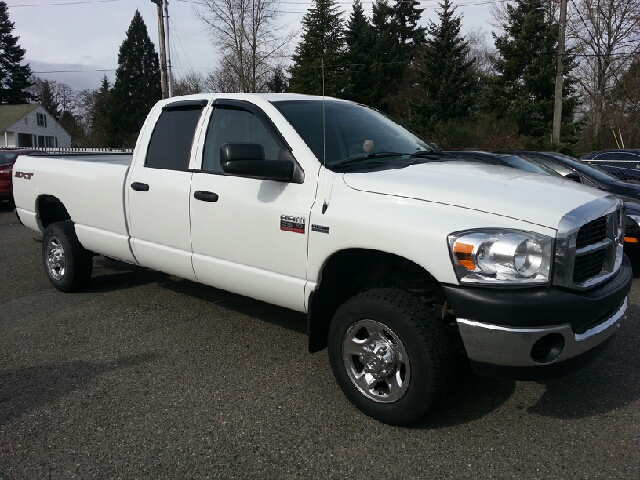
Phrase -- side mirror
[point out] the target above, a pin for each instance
(573, 176)
(247, 160)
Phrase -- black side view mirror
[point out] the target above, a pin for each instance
(247, 160)
(573, 176)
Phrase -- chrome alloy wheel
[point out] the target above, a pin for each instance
(376, 361)
(55, 258)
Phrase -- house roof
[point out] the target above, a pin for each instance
(10, 114)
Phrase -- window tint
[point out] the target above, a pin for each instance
(232, 125)
(557, 167)
(170, 144)
(524, 164)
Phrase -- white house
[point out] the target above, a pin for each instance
(32, 126)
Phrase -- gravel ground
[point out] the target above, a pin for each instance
(145, 375)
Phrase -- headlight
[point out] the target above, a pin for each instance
(498, 256)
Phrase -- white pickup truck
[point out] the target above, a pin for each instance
(399, 255)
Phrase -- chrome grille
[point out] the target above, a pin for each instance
(588, 266)
(593, 232)
(589, 244)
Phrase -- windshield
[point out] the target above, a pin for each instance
(589, 170)
(351, 131)
(7, 158)
(529, 166)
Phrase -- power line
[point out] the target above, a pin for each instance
(81, 2)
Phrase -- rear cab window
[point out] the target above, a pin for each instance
(173, 135)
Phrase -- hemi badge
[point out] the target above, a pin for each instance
(319, 228)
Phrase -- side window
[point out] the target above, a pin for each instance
(170, 144)
(233, 125)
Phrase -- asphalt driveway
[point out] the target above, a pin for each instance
(146, 375)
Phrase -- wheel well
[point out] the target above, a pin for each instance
(50, 210)
(349, 272)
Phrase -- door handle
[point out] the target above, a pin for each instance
(205, 196)
(140, 187)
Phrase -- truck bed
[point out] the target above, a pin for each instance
(90, 186)
(115, 158)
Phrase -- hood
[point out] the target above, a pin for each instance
(508, 192)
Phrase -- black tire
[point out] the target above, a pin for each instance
(418, 369)
(67, 263)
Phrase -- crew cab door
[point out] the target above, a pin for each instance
(158, 192)
(249, 236)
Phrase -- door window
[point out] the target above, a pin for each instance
(170, 144)
(234, 125)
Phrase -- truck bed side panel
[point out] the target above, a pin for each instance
(91, 192)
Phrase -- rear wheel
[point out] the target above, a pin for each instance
(66, 262)
(390, 355)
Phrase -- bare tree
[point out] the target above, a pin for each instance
(606, 36)
(480, 51)
(84, 108)
(249, 38)
(65, 96)
(189, 83)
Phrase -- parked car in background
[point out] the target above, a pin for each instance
(7, 160)
(590, 175)
(622, 163)
(504, 159)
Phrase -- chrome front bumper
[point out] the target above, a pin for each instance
(512, 347)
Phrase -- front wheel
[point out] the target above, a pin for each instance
(66, 262)
(390, 355)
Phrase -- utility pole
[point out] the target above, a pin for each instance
(557, 105)
(163, 56)
(169, 75)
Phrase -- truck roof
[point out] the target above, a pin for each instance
(269, 97)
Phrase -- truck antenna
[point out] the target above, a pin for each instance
(324, 147)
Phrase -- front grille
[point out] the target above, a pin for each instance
(588, 244)
(592, 232)
(588, 265)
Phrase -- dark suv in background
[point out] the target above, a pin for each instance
(592, 176)
(623, 163)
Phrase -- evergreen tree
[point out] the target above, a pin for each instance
(14, 78)
(323, 41)
(445, 73)
(397, 39)
(278, 82)
(69, 122)
(523, 91)
(47, 99)
(406, 16)
(100, 115)
(386, 63)
(359, 38)
(137, 85)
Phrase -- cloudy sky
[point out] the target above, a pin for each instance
(77, 41)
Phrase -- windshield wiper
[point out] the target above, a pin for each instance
(368, 156)
(430, 154)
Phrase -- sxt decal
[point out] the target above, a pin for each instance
(25, 175)
(319, 228)
(291, 223)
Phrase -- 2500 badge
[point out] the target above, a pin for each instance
(292, 223)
